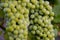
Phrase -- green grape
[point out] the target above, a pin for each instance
(9, 29)
(41, 1)
(18, 7)
(14, 10)
(8, 10)
(11, 6)
(5, 5)
(29, 5)
(23, 4)
(32, 16)
(18, 39)
(37, 31)
(15, 2)
(47, 13)
(41, 6)
(34, 27)
(33, 32)
(11, 38)
(34, 1)
(33, 6)
(15, 32)
(52, 14)
(17, 15)
(38, 38)
(43, 10)
(47, 39)
(46, 2)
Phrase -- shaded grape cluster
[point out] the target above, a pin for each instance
(40, 18)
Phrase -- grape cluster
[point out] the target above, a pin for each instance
(40, 18)
(17, 19)
(28, 20)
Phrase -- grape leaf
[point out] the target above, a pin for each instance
(56, 9)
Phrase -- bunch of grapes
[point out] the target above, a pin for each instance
(17, 19)
(28, 20)
(40, 18)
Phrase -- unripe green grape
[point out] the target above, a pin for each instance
(26, 11)
(29, 5)
(14, 10)
(36, 14)
(41, 34)
(17, 28)
(50, 26)
(37, 6)
(25, 1)
(34, 1)
(21, 31)
(34, 27)
(21, 36)
(17, 15)
(18, 39)
(5, 5)
(38, 38)
(18, 7)
(33, 32)
(13, 22)
(25, 33)
(23, 4)
(43, 10)
(41, 1)
(52, 14)
(50, 36)
(32, 16)
(41, 6)
(35, 20)
(40, 21)
(38, 31)
(15, 2)
(10, 29)
(45, 29)
(11, 38)
(49, 7)
(46, 3)
(22, 11)
(15, 32)
(32, 11)
(51, 18)
(33, 6)
(19, 1)
(47, 39)
(10, 14)
(44, 35)
(53, 39)
(47, 13)
(21, 16)
(8, 10)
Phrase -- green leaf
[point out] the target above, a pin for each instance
(56, 9)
